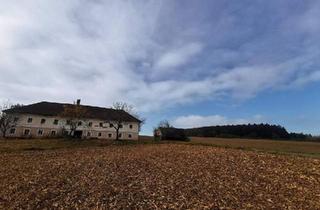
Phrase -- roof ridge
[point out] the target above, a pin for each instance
(49, 102)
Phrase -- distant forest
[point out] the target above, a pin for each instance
(254, 131)
(262, 131)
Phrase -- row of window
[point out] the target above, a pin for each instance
(40, 132)
(43, 121)
(109, 134)
(27, 132)
(101, 125)
(55, 122)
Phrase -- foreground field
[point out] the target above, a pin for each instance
(311, 149)
(157, 176)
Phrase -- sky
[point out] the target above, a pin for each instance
(194, 63)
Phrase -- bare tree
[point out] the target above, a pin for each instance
(120, 117)
(75, 116)
(122, 106)
(164, 124)
(7, 121)
(142, 121)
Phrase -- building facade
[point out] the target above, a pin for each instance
(44, 120)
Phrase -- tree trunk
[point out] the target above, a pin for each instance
(117, 134)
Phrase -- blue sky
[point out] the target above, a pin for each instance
(194, 62)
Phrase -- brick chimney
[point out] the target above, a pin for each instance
(78, 101)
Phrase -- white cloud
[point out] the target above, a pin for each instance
(145, 53)
(59, 52)
(192, 121)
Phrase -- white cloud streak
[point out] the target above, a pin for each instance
(193, 121)
(178, 57)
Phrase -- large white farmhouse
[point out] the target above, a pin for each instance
(44, 119)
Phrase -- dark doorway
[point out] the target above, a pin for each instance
(77, 134)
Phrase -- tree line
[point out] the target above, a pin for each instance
(251, 131)
(260, 131)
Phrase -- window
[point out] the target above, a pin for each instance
(53, 133)
(110, 135)
(120, 126)
(99, 134)
(29, 120)
(90, 124)
(88, 134)
(101, 124)
(43, 121)
(55, 122)
(12, 130)
(16, 119)
(40, 132)
(129, 136)
(26, 132)
(68, 122)
(111, 125)
(65, 132)
(130, 126)
(79, 123)
(120, 135)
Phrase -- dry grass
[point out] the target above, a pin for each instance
(286, 147)
(155, 176)
(12, 145)
(15, 145)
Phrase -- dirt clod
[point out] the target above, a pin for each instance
(157, 176)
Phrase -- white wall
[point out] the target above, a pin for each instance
(49, 125)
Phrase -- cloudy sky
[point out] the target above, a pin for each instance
(192, 62)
